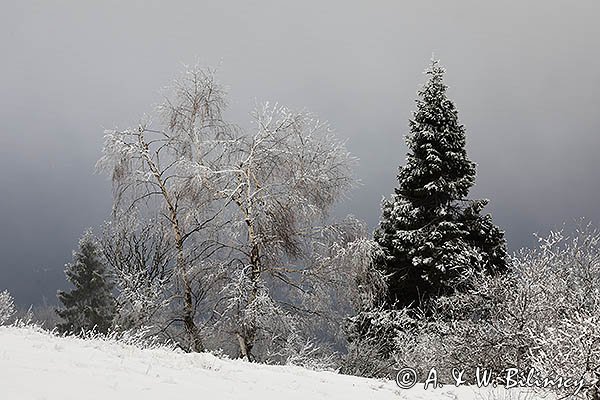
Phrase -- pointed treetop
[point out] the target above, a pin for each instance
(435, 67)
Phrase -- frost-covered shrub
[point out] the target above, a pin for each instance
(372, 331)
(142, 338)
(543, 313)
(7, 307)
(139, 256)
(309, 353)
(479, 327)
(567, 333)
(42, 315)
(372, 337)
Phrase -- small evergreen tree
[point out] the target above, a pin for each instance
(434, 238)
(91, 305)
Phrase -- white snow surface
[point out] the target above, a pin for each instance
(37, 365)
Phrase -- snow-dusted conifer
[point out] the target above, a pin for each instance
(434, 238)
(90, 305)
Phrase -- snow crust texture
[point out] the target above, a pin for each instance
(36, 365)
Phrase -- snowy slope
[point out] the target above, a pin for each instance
(35, 365)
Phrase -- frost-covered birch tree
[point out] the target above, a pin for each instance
(163, 168)
(258, 259)
(287, 176)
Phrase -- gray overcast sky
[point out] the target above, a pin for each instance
(524, 74)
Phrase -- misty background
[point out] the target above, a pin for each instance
(523, 74)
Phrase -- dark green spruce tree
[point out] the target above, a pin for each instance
(434, 238)
(91, 304)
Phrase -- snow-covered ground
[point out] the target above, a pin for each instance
(36, 365)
